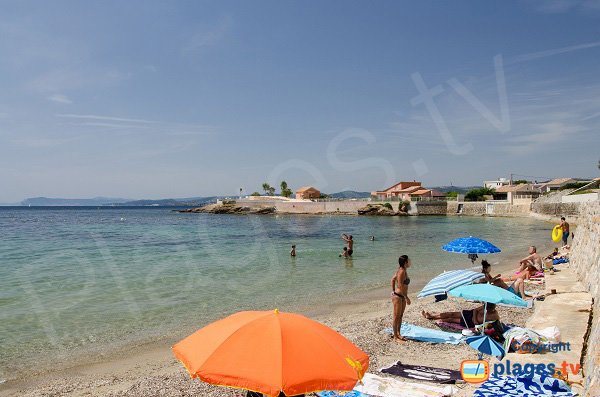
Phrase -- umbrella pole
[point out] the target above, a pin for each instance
(461, 312)
(484, 315)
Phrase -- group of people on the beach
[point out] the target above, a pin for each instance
(530, 267)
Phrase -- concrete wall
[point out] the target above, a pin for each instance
(585, 260)
(474, 208)
(430, 207)
(581, 198)
(320, 207)
(556, 209)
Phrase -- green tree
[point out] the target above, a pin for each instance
(269, 190)
(477, 194)
(520, 182)
(452, 194)
(255, 194)
(285, 191)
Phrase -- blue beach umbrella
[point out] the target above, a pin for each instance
(448, 281)
(487, 293)
(471, 245)
(486, 345)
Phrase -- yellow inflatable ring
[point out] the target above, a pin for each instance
(557, 233)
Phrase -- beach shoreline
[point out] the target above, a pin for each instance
(118, 370)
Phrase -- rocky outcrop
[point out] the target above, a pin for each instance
(378, 210)
(229, 209)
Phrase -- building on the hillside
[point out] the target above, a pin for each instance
(307, 192)
(517, 194)
(556, 184)
(496, 184)
(399, 191)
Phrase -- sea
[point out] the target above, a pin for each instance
(76, 281)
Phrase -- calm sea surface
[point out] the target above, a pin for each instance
(74, 281)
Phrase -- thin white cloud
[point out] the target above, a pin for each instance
(555, 51)
(563, 6)
(207, 37)
(106, 118)
(59, 98)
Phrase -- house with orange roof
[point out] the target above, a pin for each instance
(399, 191)
(517, 194)
(307, 193)
(556, 184)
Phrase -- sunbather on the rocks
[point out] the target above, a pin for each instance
(466, 318)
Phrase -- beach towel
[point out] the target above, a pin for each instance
(329, 393)
(560, 260)
(452, 326)
(374, 385)
(422, 334)
(523, 386)
(421, 372)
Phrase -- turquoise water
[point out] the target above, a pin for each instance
(74, 281)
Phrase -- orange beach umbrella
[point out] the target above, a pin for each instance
(270, 352)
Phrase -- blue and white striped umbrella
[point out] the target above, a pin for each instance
(471, 245)
(449, 280)
(486, 345)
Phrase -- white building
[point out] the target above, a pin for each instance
(496, 184)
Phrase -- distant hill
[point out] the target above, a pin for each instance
(350, 194)
(106, 201)
(182, 202)
(46, 201)
(459, 189)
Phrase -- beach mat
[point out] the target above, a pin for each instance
(452, 327)
(374, 385)
(423, 334)
(523, 386)
(421, 372)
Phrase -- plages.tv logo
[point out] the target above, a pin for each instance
(475, 371)
(478, 371)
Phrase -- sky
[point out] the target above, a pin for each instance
(155, 99)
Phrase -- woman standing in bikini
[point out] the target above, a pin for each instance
(400, 298)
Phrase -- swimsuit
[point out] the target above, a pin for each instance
(467, 315)
(406, 281)
(399, 295)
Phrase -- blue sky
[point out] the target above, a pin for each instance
(188, 98)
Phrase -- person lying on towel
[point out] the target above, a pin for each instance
(466, 318)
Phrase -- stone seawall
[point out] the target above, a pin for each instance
(320, 207)
(556, 209)
(585, 260)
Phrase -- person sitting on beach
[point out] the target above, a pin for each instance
(486, 269)
(293, 251)
(553, 254)
(350, 243)
(518, 283)
(400, 298)
(344, 253)
(466, 318)
(532, 259)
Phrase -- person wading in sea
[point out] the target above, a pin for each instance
(350, 243)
